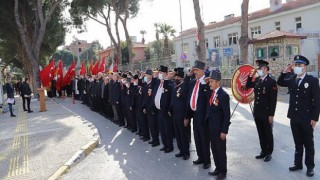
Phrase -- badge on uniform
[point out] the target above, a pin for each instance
(264, 90)
(149, 92)
(216, 101)
(128, 92)
(306, 85)
(178, 94)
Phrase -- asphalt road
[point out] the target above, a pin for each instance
(122, 155)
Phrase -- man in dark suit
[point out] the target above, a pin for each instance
(10, 96)
(265, 90)
(129, 103)
(303, 111)
(178, 107)
(140, 116)
(218, 120)
(148, 107)
(162, 100)
(197, 102)
(26, 91)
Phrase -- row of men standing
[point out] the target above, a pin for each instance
(162, 103)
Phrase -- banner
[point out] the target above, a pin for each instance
(238, 84)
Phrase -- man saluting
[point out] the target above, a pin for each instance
(265, 100)
(303, 110)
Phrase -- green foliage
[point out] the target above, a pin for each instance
(66, 56)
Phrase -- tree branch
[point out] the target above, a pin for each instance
(95, 19)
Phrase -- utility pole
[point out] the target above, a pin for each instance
(182, 50)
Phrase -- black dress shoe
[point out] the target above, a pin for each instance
(168, 150)
(29, 111)
(295, 168)
(221, 176)
(133, 131)
(150, 142)
(138, 133)
(155, 144)
(261, 156)
(146, 139)
(267, 158)
(214, 173)
(179, 154)
(25, 110)
(310, 172)
(186, 157)
(125, 126)
(198, 161)
(163, 148)
(206, 166)
(12, 115)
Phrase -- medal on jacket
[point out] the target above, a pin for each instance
(140, 90)
(264, 90)
(149, 92)
(178, 92)
(216, 100)
(306, 85)
(128, 92)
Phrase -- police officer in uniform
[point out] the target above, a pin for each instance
(197, 102)
(303, 111)
(179, 103)
(265, 90)
(218, 120)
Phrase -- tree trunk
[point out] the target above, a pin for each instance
(201, 48)
(244, 39)
(166, 53)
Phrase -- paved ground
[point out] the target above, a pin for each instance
(122, 155)
(35, 145)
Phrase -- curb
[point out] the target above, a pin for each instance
(82, 153)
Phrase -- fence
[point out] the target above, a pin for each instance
(143, 65)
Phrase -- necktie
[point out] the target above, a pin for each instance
(297, 81)
(194, 95)
(160, 86)
(211, 98)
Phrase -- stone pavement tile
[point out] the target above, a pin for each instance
(34, 145)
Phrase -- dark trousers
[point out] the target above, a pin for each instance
(144, 123)
(201, 138)
(132, 119)
(108, 109)
(138, 119)
(303, 137)
(120, 114)
(181, 133)
(264, 129)
(28, 102)
(166, 129)
(10, 109)
(153, 125)
(219, 152)
(24, 103)
(126, 116)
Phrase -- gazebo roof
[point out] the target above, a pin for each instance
(277, 35)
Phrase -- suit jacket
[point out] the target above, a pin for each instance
(115, 93)
(218, 113)
(304, 104)
(179, 100)
(265, 99)
(10, 90)
(129, 101)
(138, 98)
(200, 113)
(166, 94)
(25, 88)
(148, 91)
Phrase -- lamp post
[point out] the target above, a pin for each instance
(182, 51)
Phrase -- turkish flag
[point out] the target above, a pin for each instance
(95, 69)
(59, 74)
(47, 74)
(115, 64)
(91, 67)
(102, 67)
(70, 73)
(83, 69)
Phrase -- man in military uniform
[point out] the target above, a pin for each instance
(218, 120)
(303, 110)
(162, 100)
(197, 102)
(265, 90)
(179, 103)
(129, 104)
(148, 107)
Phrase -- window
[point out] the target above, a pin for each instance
(186, 47)
(233, 38)
(255, 30)
(216, 41)
(79, 49)
(298, 23)
(207, 43)
(277, 25)
(261, 53)
(79, 43)
(274, 51)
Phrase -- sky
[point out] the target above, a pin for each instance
(166, 11)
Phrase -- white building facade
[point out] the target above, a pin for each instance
(223, 50)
